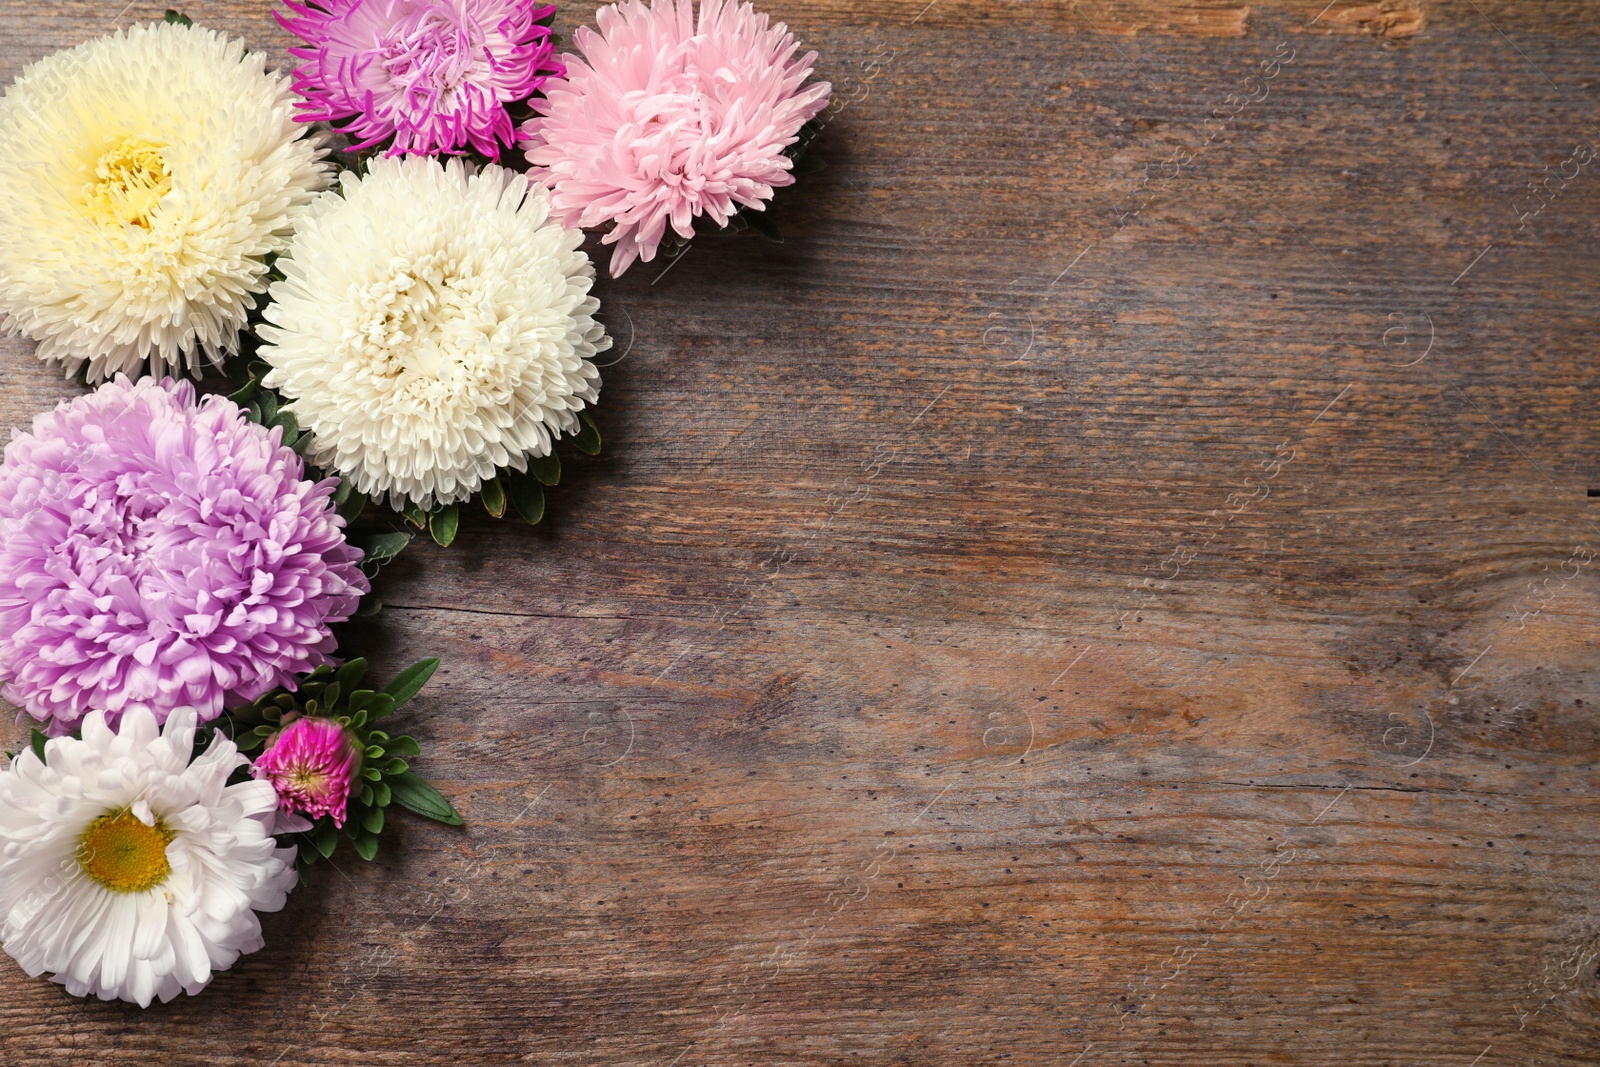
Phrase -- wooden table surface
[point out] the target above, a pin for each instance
(1113, 588)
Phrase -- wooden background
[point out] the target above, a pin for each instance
(1184, 658)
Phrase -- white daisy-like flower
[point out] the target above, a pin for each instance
(433, 325)
(127, 871)
(146, 176)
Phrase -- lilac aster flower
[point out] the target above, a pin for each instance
(157, 553)
(434, 74)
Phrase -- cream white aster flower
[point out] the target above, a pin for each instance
(146, 175)
(127, 871)
(433, 325)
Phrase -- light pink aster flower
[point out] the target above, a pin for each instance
(312, 763)
(433, 74)
(663, 119)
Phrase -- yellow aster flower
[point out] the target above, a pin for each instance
(146, 175)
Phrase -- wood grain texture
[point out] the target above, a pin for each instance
(1103, 592)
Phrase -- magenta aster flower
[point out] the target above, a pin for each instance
(661, 120)
(313, 764)
(434, 74)
(157, 553)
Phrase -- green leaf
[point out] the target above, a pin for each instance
(268, 402)
(244, 392)
(365, 794)
(351, 672)
(416, 795)
(37, 739)
(326, 839)
(494, 498)
(355, 500)
(762, 223)
(395, 766)
(359, 700)
(415, 516)
(527, 496)
(404, 745)
(371, 774)
(409, 682)
(373, 752)
(303, 443)
(291, 426)
(177, 18)
(381, 795)
(444, 523)
(382, 548)
(382, 704)
(545, 468)
(372, 821)
(367, 846)
(588, 439)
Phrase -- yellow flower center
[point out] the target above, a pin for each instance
(308, 778)
(125, 855)
(132, 180)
